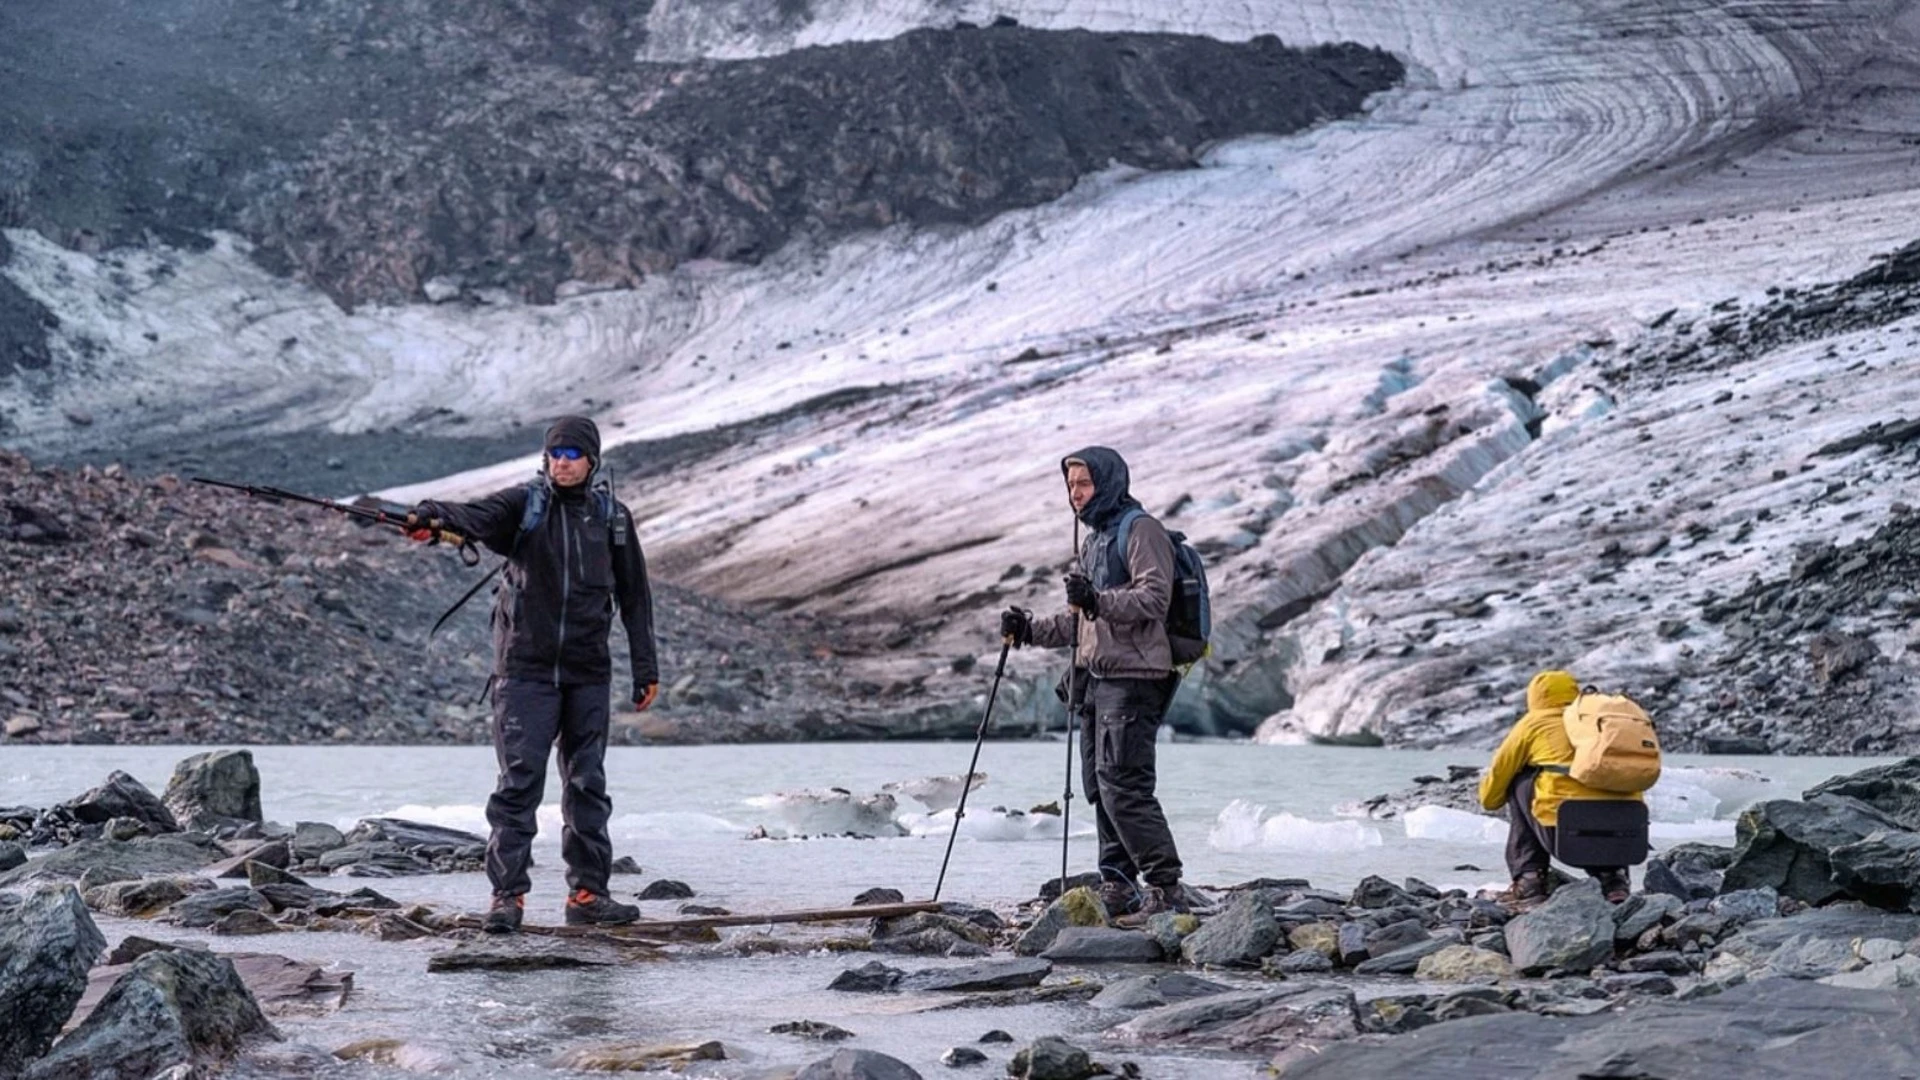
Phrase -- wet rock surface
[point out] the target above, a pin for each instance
(46, 946)
(170, 1009)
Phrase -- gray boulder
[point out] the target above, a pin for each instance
(47, 944)
(1786, 845)
(1378, 892)
(1405, 960)
(11, 855)
(858, 1065)
(1350, 943)
(116, 860)
(1139, 992)
(1883, 870)
(1768, 1029)
(1755, 946)
(980, 978)
(122, 796)
(376, 858)
(416, 837)
(1077, 907)
(1049, 1058)
(312, 839)
(1271, 1018)
(1892, 789)
(207, 908)
(928, 933)
(180, 1008)
(1238, 936)
(1641, 913)
(871, 977)
(1743, 906)
(1573, 930)
(1396, 935)
(141, 898)
(219, 787)
(1103, 945)
(1687, 871)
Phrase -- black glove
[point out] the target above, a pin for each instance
(1082, 594)
(1017, 626)
(422, 526)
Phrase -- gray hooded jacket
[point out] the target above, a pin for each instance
(1129, 639)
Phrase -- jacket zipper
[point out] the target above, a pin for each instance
(566, 589)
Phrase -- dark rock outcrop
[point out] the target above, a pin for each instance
(117, 860)
(497, 148)
(1785, 844)
(46, 946)
(1794, 1029)
(172, 1008)
(215, 788)
(858, 1065)
(1573, 930)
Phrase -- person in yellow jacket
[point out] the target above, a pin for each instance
(1528, 776)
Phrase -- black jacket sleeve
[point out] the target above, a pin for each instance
(634, 595)
(493, 521)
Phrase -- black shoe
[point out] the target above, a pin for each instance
(1157, 900)
(592, 909)
(1616, 885)
(1528, 890)
(504, 916)
(1119, 897)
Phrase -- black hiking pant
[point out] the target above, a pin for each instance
(1530, 845)
(1118, 721)
(529, 717)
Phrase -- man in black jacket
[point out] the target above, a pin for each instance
(573, 560)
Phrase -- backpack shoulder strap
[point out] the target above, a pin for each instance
(1122, 531)
(535, 509)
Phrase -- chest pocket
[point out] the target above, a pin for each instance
(589, 554)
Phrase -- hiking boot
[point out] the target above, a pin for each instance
(1119, 897)
(1616, 885)
(504, 916)
(592, 909)
(1156, 900)
(1528, 890)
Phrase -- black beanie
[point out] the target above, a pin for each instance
(574, 431)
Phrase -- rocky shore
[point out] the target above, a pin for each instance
(1808, 927)
(150, 609)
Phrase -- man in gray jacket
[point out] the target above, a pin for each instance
(1124, 675)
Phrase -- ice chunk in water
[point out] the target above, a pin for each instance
(1240, 827)
(934, 792)
(834, 812)
(1454, 826)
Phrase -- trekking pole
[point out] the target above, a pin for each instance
(1073, 718)
(469, 553)
(966, 785)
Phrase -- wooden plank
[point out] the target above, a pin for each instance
(695, 922)
(664, 930)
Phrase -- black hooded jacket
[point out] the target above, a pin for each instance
(564, 580)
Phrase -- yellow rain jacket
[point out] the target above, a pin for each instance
(1540, 738)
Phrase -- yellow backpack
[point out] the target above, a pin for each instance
(1615, 747)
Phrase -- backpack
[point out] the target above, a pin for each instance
(1190, 610)
(1615, 747)
(538, 493)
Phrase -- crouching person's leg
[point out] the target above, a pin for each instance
(1529, 846)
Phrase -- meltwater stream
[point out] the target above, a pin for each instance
(1238, 811)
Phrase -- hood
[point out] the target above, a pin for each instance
(1552, 690)
(574, 431)
(1110, 479)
